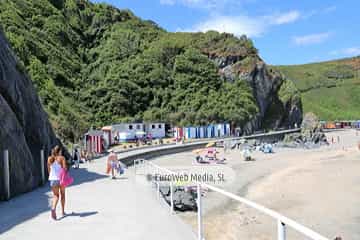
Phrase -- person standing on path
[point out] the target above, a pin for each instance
(56, 164)
(112, 163)
(76, 158)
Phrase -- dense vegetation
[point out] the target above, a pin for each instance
(93, 65)
(329, 89)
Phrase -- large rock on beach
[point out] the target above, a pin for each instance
(311, 134)
(184, 198)
(24, 125)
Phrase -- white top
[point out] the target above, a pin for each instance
(55, 169)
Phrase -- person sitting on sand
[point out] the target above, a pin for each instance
(112, 163)
(56, 163)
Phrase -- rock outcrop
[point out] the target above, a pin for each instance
(24, 125)
(311, 134)
(266, 84)
(184, 199)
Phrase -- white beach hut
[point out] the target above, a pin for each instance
(157, 130)
(127, 131)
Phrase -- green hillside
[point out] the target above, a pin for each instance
(329, 89)
(93, 65)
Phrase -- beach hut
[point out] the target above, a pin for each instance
(156, 130)
(356, 124)
(186, 132)
(202, 132)
(198, 132)
(178, 132)
(347, 124)
(94, 141)
(211, 131)
(107, 133)
(190, 132)
(330, 125)
(227, 130)
(193, 132)
(127, 131)
(219, 130)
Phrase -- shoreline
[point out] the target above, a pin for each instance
(282, 181)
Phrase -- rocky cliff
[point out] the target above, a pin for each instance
(24, 126)
(277, 99)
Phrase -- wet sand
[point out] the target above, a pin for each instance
(319, 188)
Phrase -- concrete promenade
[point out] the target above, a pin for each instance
(98, 208)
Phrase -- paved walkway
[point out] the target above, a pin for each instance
(100, 208)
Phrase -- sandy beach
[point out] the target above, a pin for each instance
(319, 188)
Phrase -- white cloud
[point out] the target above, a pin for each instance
(283, 18)
(167, 2)
(329, 9)
(237, 25)
(207, 4)
(351, 51)
(321, 11)
(242, 24)
(311, 38)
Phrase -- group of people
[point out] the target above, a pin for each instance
(113, 165)
(79, 157)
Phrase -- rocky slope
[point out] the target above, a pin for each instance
(278, 100)
(24, 126)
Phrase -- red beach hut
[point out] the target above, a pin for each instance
(94, 141)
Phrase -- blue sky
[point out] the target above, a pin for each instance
(284, 31)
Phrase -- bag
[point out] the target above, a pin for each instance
(65, 178)
(121, 170)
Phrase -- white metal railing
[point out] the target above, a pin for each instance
(282, 221)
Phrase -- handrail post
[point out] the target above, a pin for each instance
(157, 179)
(281, 230)
(42, 158)
(158, 189)
(171, 196)
(135, 163)
(199, 212)
(7, 175)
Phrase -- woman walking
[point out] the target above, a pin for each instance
(56, 164)
(112, 164)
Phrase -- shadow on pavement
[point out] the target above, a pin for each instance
(83, 214)
(29, 205)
